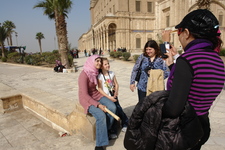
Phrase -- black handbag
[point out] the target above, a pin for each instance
(137, 78)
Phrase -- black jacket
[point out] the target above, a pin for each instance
(147, 130)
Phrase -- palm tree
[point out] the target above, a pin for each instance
(58, 10)
(3, 36)
(9, 25)
(39, 37)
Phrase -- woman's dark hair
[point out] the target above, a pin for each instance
(217, 42)
(154, 45)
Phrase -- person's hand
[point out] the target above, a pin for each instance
(102, 107)
(132, 87)
(173, 50)
(115, 94)
(166, 35)
(113, 99)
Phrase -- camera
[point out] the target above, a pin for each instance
(112, 92)
(163, 50)
(167, 46)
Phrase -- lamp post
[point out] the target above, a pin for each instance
(16, 34)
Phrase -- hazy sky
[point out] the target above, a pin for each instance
(29, 21)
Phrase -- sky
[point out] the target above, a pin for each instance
(29, 21)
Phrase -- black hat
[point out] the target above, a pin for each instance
(200, 21)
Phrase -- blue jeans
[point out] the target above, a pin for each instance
(104, 121)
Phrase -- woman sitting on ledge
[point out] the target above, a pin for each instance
(94, 102)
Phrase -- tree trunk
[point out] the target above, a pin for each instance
(61, 33)
(7, 40)
(10, 38)
(39, 41)
(3, 49)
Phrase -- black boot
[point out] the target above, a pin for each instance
(99, 148)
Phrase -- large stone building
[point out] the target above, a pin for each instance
(131, 23)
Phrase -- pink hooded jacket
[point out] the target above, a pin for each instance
(87, 82)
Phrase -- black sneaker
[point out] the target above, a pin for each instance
(112, 136)
(99, 148)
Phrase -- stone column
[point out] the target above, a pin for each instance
(107, 40)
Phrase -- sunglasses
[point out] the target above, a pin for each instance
(179, 31)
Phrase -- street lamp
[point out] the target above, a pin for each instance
(16, 34)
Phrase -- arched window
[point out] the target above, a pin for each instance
(112, 36)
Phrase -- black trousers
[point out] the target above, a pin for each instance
(141, 95)
(206, 128)
(122, 115)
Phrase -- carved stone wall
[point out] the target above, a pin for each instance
(116, 23)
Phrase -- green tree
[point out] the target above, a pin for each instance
(58, 10)
(9, 25)
(3, 36)
(39, 37)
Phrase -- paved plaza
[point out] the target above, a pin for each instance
(21, 130)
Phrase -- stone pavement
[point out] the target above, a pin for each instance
(22, 130)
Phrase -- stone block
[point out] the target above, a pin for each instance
(11, 103)
(83, 124)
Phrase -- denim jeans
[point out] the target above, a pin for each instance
(104, 121)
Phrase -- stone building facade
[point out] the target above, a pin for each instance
(131, 23)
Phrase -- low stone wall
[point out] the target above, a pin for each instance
(74, 122)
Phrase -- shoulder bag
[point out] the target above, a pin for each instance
(137, 78)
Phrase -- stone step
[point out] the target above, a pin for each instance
(57, 112)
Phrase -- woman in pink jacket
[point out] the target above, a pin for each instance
(94, 102)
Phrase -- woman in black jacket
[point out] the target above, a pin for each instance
(195, 81)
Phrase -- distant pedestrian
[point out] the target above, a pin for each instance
(58, 66)
(74, 53)
(93, 51)
(77, 53)
(85, 53)
(100, 52)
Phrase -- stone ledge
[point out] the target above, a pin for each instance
(46, 106)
